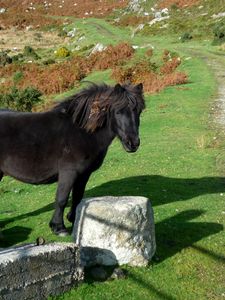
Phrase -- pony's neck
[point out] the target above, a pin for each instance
(105, 136)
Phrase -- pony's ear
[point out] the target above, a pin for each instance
(118, 88)
(139, 87)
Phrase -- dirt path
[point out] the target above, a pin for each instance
(217, 64)
(218, 67)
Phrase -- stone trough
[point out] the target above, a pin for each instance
(36, 272)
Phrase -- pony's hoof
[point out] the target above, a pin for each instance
(58, 229)
(62, 233)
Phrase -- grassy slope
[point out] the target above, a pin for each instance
(175, 168)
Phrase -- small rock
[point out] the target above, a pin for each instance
(219, 15)
(2, 10)
(40, 241)
(98, 48)
(118, 274)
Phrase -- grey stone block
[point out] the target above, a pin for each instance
(115, 230)
(36, 272)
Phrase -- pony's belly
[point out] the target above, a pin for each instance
(30, 172)
(32, 179)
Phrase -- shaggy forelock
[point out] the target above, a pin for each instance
(90, 106)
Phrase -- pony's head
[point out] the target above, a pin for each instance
(125, 111)
(117, 108)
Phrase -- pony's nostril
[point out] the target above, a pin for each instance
(137, 144)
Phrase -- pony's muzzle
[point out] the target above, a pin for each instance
(131, 145)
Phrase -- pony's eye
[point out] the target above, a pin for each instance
(118, 112)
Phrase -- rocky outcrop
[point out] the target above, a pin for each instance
(115, 230)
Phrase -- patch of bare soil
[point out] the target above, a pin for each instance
(24, 13)
(178, 3)
(15, 40)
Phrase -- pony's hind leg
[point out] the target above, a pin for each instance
(77, 194)
(65, 183)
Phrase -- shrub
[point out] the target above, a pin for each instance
(149, 52)
(18, 58)
(219, 32)
(17, 77)
(123, 74)
(21, 100)
(185, 37)
(62, 52)
(143, 70)
(170, 66)
(110, 57)
(29, 52)
(134, 72)
(169, 55)
(62, 33)
(49, 61)
(132, 20)
(5, 59)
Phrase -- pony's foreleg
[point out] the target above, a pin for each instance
(1, 175)
(77, 194)
(65, 184)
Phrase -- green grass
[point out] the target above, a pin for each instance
(175, 168)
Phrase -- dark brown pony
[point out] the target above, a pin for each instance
(69, 142)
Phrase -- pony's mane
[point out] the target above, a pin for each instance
(89, 107)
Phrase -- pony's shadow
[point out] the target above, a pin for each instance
(14, 235)
(177, 233)
(160, 189)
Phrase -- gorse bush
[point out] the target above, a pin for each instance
(62, 52)
(20, 100)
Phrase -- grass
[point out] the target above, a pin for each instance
(175, 168)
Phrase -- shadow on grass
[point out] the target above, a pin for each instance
(159, 189)
(173, 234)
(11, 236)
(179, 232)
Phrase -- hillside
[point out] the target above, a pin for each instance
(77, 28)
